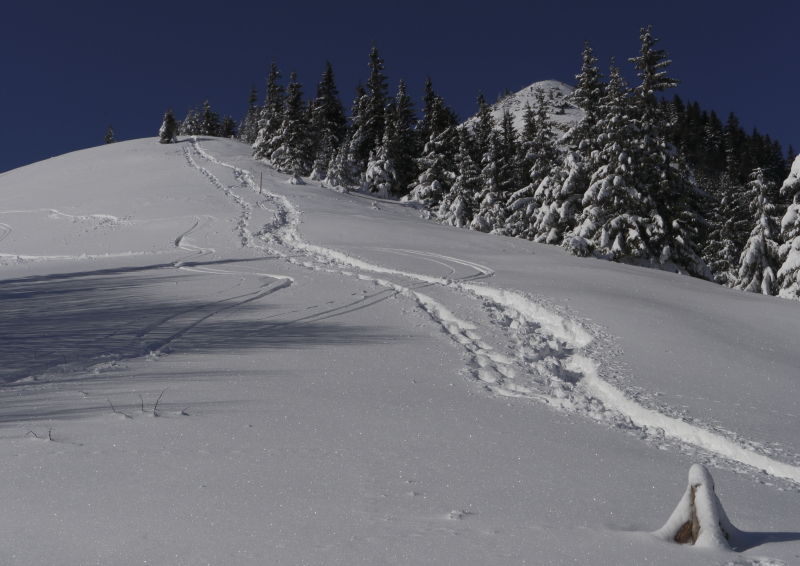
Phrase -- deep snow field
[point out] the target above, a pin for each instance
(342, 382)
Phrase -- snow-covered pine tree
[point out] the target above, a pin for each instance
(491, 212)
(614, 220)
(735, 142)
(381, 175)
(560, 196)
(542, 152)
(374, 109)
(271, 118)
(661, 172)
(728, 217)
(340, 166)
(227, 128)
(248, 130)
(586, 96)
(583, 138)
(191, 124)
(530, 211)
(458, 205)
(349, 173)
(789, 272)
(521, 203)
(293, 153)
(484, 137)
(328, 123)
(169, 127)
(405, 146)
(436, 170)
(110, 134)
(483, 129)
(504, 177)
(436, 117)
(209, 121)
(760, 258)
(392, 164)
(563, 181)
(562, 192)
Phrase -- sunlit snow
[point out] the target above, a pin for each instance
(339, 381)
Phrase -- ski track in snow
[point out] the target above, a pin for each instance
(184, 242)
(554, 358)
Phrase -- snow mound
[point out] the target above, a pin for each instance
(699, 518)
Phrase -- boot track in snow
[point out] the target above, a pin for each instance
(558, 359)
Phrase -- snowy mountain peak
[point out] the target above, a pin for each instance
(557, 94)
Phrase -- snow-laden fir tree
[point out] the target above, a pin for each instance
(583, 138)
(482, 129)
(191, 124)
(328, 123)
(271, 117)
(587, 95)
(167, 132)
(540, 149)
(351, 167)
(392, 164)
(521, 203)
(339, 171)
(381, 175)
(403, 140)
(560, 191)
(560, 196)
(530, 211)
(614, 221)
(110, 134)
(436, 116)
(501, 174)
(728, 217)
(227, 128)
(651, 64)
(484, 137)
(293, 152)
(457, 208)
(209, 121)
(373, 112)
(789, 272)
(248, 130)
(491, 210)
(436, 170)
(673, 225)
(760, 258)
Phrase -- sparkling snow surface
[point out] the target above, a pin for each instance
(342, 382)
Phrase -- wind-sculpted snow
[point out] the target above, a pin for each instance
(521, 346)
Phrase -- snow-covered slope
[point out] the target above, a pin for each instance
(341, 382)
(560, 109)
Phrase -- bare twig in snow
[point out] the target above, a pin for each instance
(157, 400)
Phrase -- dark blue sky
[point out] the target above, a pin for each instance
(71, 68)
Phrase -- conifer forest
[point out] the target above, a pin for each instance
(638, 177)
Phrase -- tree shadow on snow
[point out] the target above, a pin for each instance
(65, 322)
(749, 540)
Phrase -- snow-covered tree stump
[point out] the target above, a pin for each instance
(699, 518)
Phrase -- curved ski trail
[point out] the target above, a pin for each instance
(556, 358)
